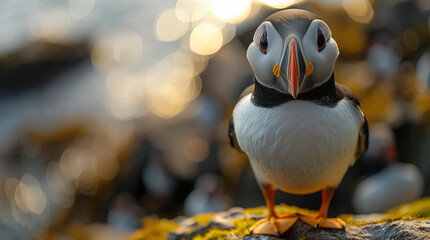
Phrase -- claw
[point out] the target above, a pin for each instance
(275, 226)
(322, 222)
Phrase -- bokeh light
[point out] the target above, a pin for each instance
(63, 188)
(119, 83)
(184, 64)
(73, 162)
(102, 53)
(51, 24)
(231, 11)
(191, 10)
(107, 167)
(228, 33)
(99, 98)
(9, 189)
(29, 196)
(358, 10)
(206, 39)
(278, 4)
(196, 149)
(128, 49)
(168, 27)
(80, 8)
(170, 90)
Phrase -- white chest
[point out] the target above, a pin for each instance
(299, 147)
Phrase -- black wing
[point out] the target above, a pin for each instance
(231, 132)
(232, 136)
(363, 137)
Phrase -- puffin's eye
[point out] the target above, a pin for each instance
(320, 40)
(263, 42)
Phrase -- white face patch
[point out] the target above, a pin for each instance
(262, 62)
(264, 59)
(323, 60)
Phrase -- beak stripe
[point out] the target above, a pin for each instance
(293, 70)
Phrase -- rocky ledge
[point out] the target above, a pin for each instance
(411, 221)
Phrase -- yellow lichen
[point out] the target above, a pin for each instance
(419, 208)
(242, 227)
(286, 209)
(257, 210)
(280, 209)
(349, 219)
(204, 218)
(154, 229)
(213, 234)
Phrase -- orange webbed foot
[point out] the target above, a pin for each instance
(275, 226)
(323, 222)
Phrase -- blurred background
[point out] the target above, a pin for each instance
(116, 110)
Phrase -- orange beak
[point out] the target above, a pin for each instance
(293, 70)
(293, 65)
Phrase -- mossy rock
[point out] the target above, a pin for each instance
(408, 221)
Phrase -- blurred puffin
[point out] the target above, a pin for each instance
(300, 130)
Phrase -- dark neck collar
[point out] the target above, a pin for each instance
(268, 97)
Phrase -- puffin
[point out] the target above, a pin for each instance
(300, 130)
